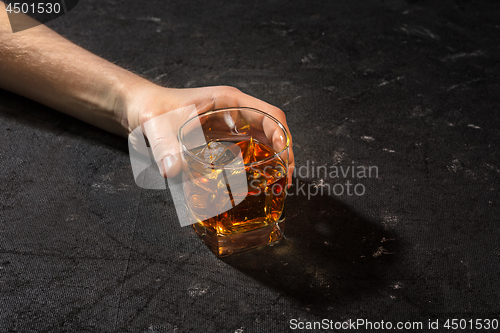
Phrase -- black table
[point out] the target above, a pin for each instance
(409, 87)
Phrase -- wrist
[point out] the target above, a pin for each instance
(131, 102)
(144, 101)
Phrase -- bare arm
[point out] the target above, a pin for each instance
(41, 65)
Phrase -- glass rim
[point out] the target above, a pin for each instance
(269, 158)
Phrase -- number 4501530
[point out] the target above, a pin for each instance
(40, 8)
(478, 324)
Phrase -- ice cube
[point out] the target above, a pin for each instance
(219, 153)
(229, 155)
(211, 151)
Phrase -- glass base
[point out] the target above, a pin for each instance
(225, 245)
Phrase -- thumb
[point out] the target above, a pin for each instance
(161, 132)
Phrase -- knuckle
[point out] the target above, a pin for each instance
(228, 90)
(280, 113)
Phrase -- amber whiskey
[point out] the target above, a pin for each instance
(231, 218)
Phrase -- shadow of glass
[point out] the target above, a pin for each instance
(329, 254)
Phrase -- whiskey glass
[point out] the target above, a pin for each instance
(234, 169)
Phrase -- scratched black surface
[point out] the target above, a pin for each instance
(409, 86)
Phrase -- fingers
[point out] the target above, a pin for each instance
(164, 145)
(162, 130)
(249, 101)
(224, 97)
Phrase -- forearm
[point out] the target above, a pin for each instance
(42, 65)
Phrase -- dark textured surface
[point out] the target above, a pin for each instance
(411, 87)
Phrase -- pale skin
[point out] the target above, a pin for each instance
(41, 65)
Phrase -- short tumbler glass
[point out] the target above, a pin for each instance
(235, 164)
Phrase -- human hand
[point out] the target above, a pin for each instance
(146, 103)
(100, 93)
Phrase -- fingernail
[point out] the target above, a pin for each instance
(160, 168)
(168, 162)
